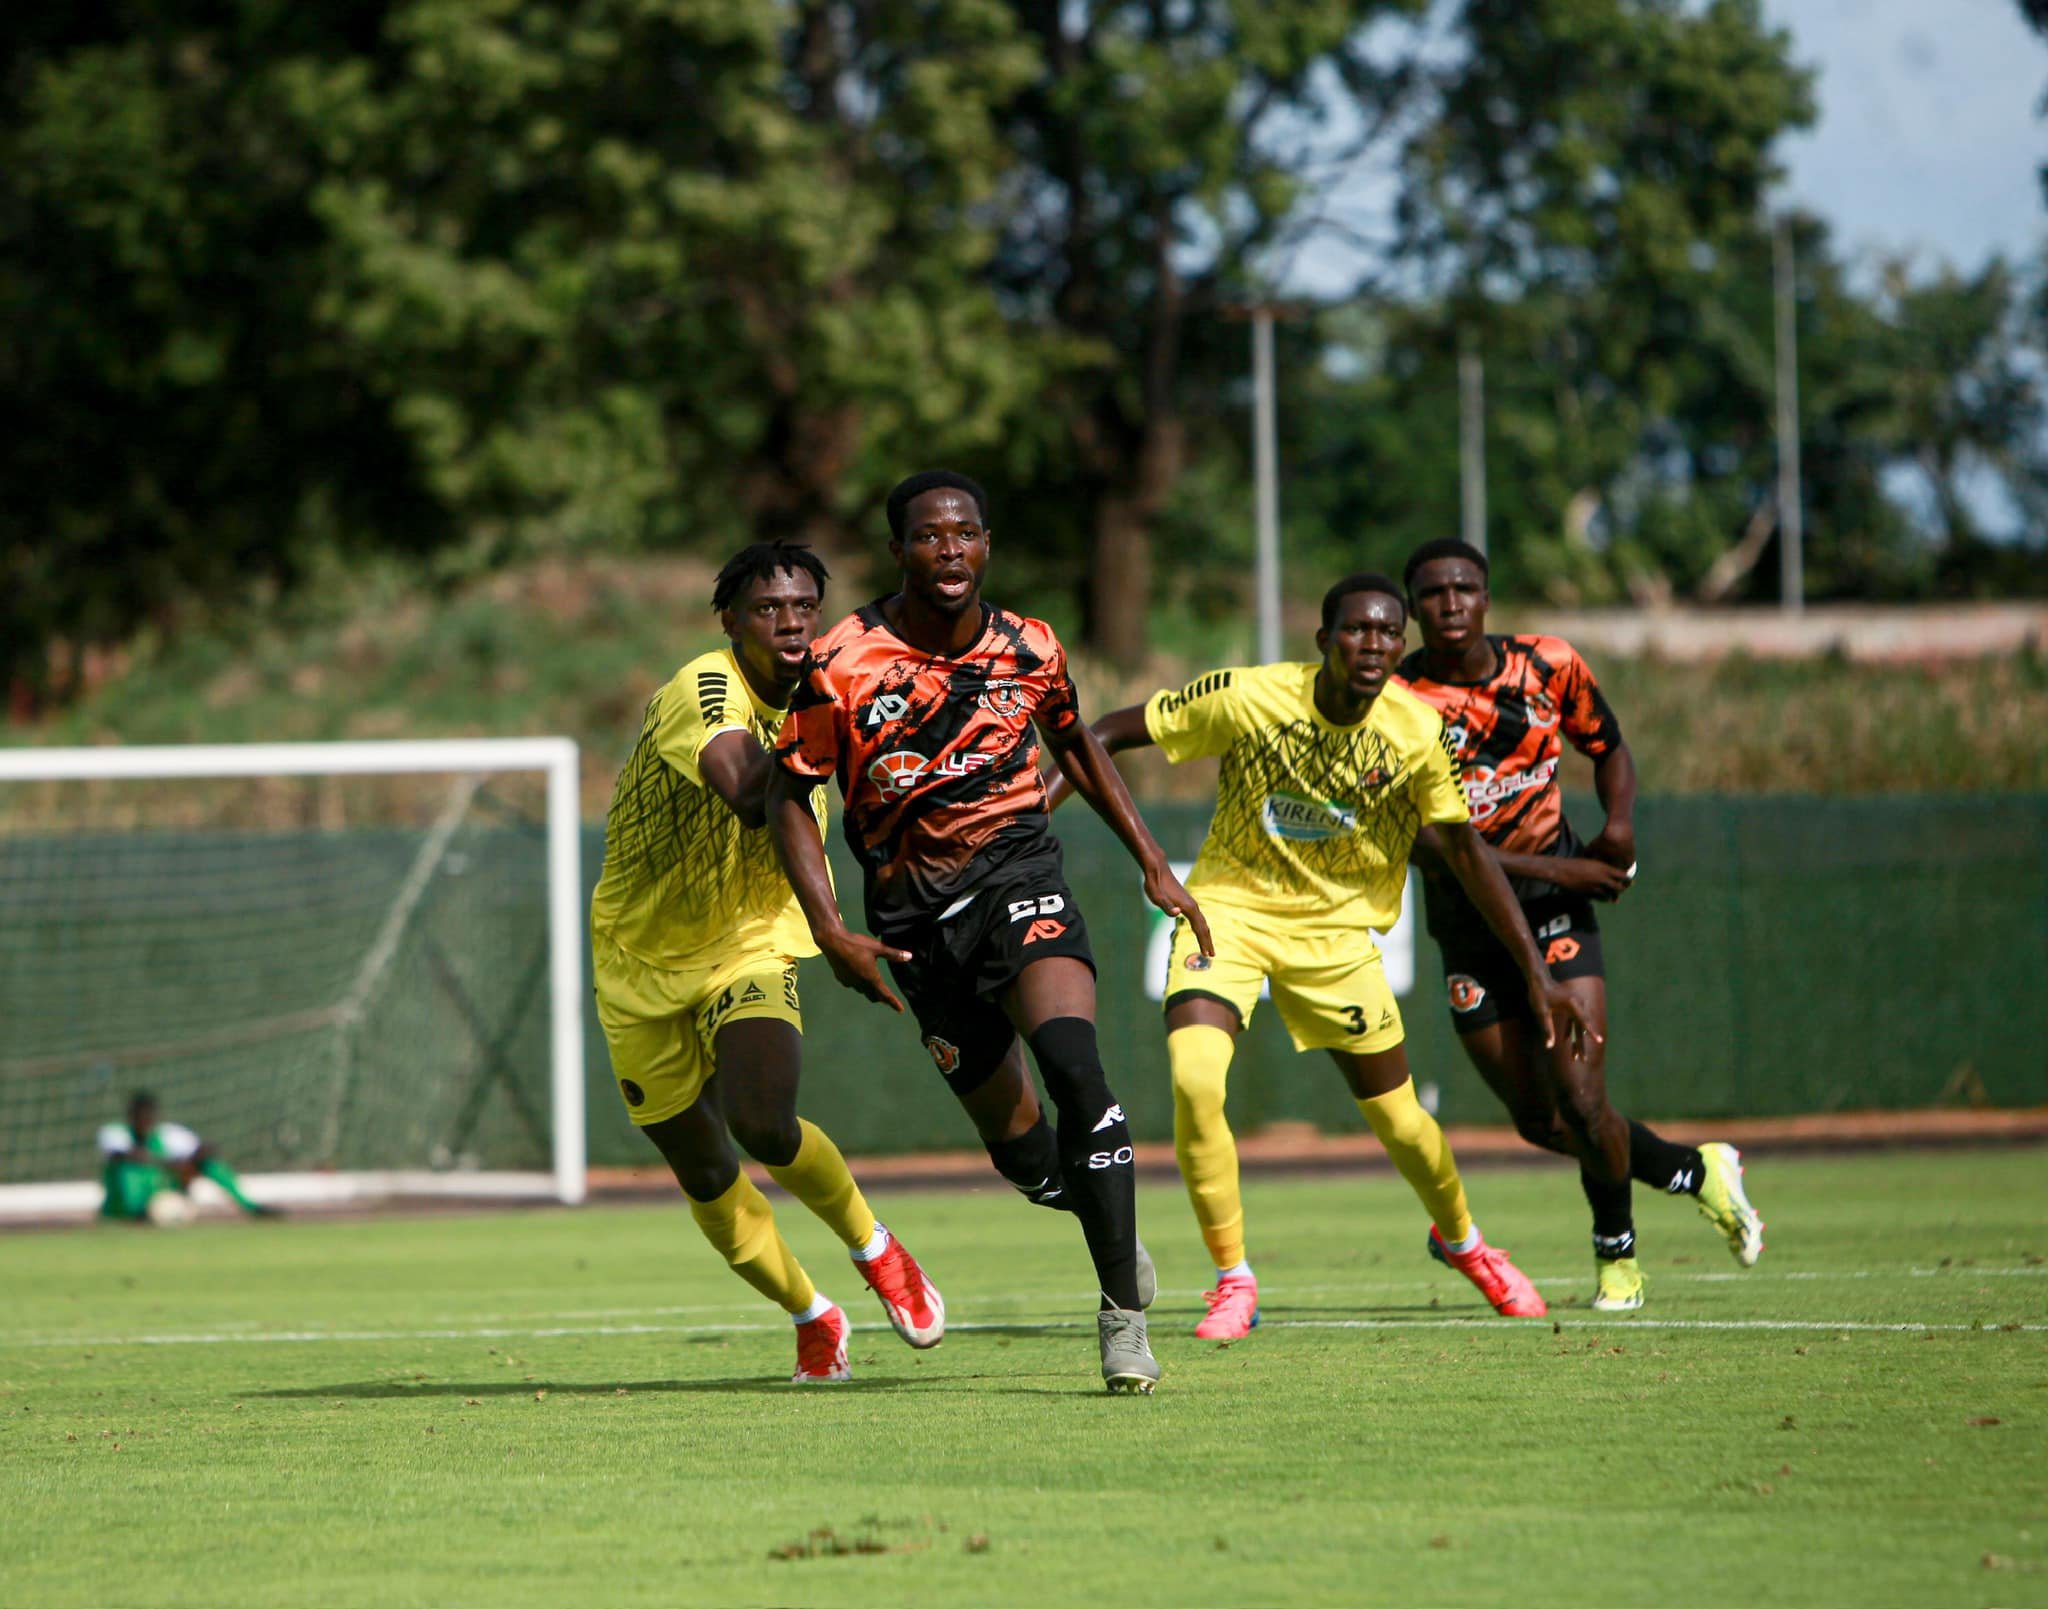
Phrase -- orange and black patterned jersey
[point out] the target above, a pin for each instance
(936, 755)
(1509, 733)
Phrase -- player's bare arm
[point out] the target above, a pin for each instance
(1614, 781)
(1117, 731)
(1086, 768)
(1577, 874)
(855, 959)
(736, 768)
(1479, 871)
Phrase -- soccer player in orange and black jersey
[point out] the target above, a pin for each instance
(928, 706)
(1509, 703)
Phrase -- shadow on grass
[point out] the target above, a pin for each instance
(391, 1390)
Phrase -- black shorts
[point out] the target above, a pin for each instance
(1482, 980)
(961, 961)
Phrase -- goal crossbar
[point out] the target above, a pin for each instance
(556, 757)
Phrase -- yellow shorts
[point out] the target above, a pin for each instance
(1328, 982)
(661, 1025)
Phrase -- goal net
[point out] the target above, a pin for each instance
(355, 969)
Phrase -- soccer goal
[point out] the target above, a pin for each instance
(356, 969)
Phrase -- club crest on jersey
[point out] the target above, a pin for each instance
(896, 773)
(886, 707)
(944, 1053)
(1005, 696)
(1298, 819)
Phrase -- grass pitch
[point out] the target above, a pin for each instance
(555, 1408)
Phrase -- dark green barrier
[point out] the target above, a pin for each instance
(1776, 955)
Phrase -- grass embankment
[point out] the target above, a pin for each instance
(585, 1407)
(579, 648)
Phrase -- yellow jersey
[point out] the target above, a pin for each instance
(683, 879)
(1313, 820)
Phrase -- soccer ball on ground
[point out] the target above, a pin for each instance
(169, 1209)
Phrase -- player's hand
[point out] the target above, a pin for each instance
(1615, 843)
(1596, 878)
(1164, 890)
(1560, 1013)
(856, 961)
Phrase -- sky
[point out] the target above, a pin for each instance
(1927, 138)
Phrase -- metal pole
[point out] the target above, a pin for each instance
(1791, 530)
(1472, 439)
(1266, 480)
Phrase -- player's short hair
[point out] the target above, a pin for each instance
(758, 561)
(1442, 547)
(930, 480)
(1360, 581)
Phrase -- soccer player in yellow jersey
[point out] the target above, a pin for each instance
(1328, 773)
(696, 935)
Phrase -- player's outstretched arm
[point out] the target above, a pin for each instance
(1118, 730)
(1087, 768)
(855, 959)
(736, 767)
(1478, 869)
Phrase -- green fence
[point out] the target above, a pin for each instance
(1777, 955)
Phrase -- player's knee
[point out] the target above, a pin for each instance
(1584, 1111)
(772, 1139)
(1071, 1066)
(1404, 1124)
(1544, 1130)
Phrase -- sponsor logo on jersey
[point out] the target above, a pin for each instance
(1486, 790)
(1115, 1114)
(1044, 928)
(896, 773)
(944, 1053)
(1466, 992)
(1560, 950)
(1298, 819)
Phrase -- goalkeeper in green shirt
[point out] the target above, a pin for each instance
(149, 1165)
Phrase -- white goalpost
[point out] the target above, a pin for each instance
(355, 968)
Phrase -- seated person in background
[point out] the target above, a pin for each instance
(143, 1157)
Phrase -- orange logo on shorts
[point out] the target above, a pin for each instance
(1044, 928)
(1466, 992)
(945, 1054)
(1563, 949)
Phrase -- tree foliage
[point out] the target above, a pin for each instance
(466, 279)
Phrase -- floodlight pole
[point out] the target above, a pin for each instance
(1266, 486)
(1791, 531)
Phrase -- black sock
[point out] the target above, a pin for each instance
(1095, 1152)
(1656, 1162)
(1614, 1222)
(1031, 1162)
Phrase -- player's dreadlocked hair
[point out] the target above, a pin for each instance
(930, 480)
(758, 561)
(1444, 547)
(1361, 581)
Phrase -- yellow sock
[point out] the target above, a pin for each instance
(741, 1226)
(1416, 1142)
(1202, 1141)
(818, 1177)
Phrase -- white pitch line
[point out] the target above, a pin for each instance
(1475, 1323)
